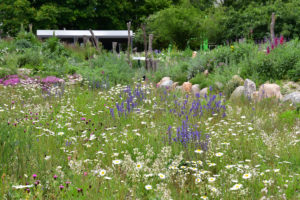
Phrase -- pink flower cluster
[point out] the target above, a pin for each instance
(281, 41)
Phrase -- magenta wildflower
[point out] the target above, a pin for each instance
(83, 119)
(61, 187)
(55, 177)
(272, 46)
(34, 176)
(12, 81)
(85, 173)
(268, 50)
(281, 40)
(276, 41)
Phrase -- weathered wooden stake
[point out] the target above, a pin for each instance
(129, 43)
(150, 50)
(94, 40)
(120, 47)
(30, 28)
(145, 44)
(114, 46)
(272, 25)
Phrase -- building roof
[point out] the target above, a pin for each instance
(82, 33)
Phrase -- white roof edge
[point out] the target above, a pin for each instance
(82, 33)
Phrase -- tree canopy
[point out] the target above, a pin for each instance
(181, 22)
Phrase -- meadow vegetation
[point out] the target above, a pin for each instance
(113, 135)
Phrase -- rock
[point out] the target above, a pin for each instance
(166, 84)
(238, 93)
(293, 97)
(203, 92)
(269, 90)
(163, 80)
(290, 87)
(238, 79)
(174, 85)
(178, 88)
(250, 87)
(219, 85)
(206, 72)
(254, 96)
(187, 87)
(196, 89)
(194, 54)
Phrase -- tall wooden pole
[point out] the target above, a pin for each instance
(114, 46)
(272, 25)
(150, 50)
(129, 44)
(30, 28)
(145, 44)
(95, 41)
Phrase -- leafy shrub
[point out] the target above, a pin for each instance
(289, 116)
(23, 44)
(201, 80)
(30, 58)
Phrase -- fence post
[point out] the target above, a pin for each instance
(272, 25)
(114, 46)
(150, 50)
(145, 45)
(129, 44)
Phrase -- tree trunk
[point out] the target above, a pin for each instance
(129, 44)
(272, 25)
(114, 46)
(150, 50)
(145, 45)
(95, 41)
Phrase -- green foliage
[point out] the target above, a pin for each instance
(174, 25)
(30, 58)
(280, 63)
(200, 79)
(107, 67)
(289, 116)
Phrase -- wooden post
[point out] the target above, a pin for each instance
(129, 43)
(114, 46)
(120, 47)
(30, 28)
(272, 25)
(150, 50)
(95, 41)
(145, 44)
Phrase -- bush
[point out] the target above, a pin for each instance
(201, 80)
(30, 57)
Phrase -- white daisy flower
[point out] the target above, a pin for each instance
(247, 176)
(116, 162)
(161, 176)
(236, 187)
(148, 187)
(197, 180)
(219, 154)
(102, 172)
(60, 133)
(198, 151)
(139, 166)
(204, 197)
(211, 179)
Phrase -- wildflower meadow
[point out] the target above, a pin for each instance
(139, 142)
